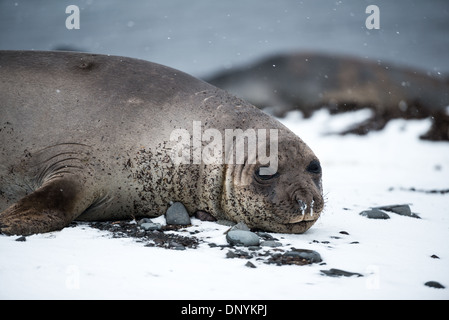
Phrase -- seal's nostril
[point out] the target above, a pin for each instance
(302, 206)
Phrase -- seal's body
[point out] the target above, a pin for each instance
(87, 137)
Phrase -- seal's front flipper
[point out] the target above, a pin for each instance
(51, 207)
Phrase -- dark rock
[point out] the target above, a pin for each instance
(177, 214)
(249, 264)
(295, 257)
(204, 216)
(374, 214)
(434, 284)
(339, 273)
(21, 239)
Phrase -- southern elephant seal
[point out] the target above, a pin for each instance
(95, 137)
(311, 81)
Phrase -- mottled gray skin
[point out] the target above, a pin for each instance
(87, 137)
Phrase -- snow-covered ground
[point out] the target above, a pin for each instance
(394, 256)
(359, 172)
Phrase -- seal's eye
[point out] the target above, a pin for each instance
(314, 167)
(262, 174)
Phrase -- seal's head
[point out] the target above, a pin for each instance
(288, 201)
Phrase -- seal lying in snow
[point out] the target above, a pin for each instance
(310, 81)
(95, 137)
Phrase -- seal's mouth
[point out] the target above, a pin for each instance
(304, 212)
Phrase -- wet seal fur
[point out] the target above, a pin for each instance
(87, 137)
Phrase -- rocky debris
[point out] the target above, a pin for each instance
(297, 257)
(340, 273)
(379, 212)
(242, 243)
(432, 191)
(177, 214)
(151, 238)
(277, 256)
(401, 209)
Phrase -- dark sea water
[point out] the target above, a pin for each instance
(202, 37)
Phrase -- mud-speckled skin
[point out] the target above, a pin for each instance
(87, 137)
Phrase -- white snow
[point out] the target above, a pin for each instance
(359, 172)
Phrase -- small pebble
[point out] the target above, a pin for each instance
(21, 239)
(242, 238)
(249, 264)
(374, 214)
(177, 214)
(144, 220)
